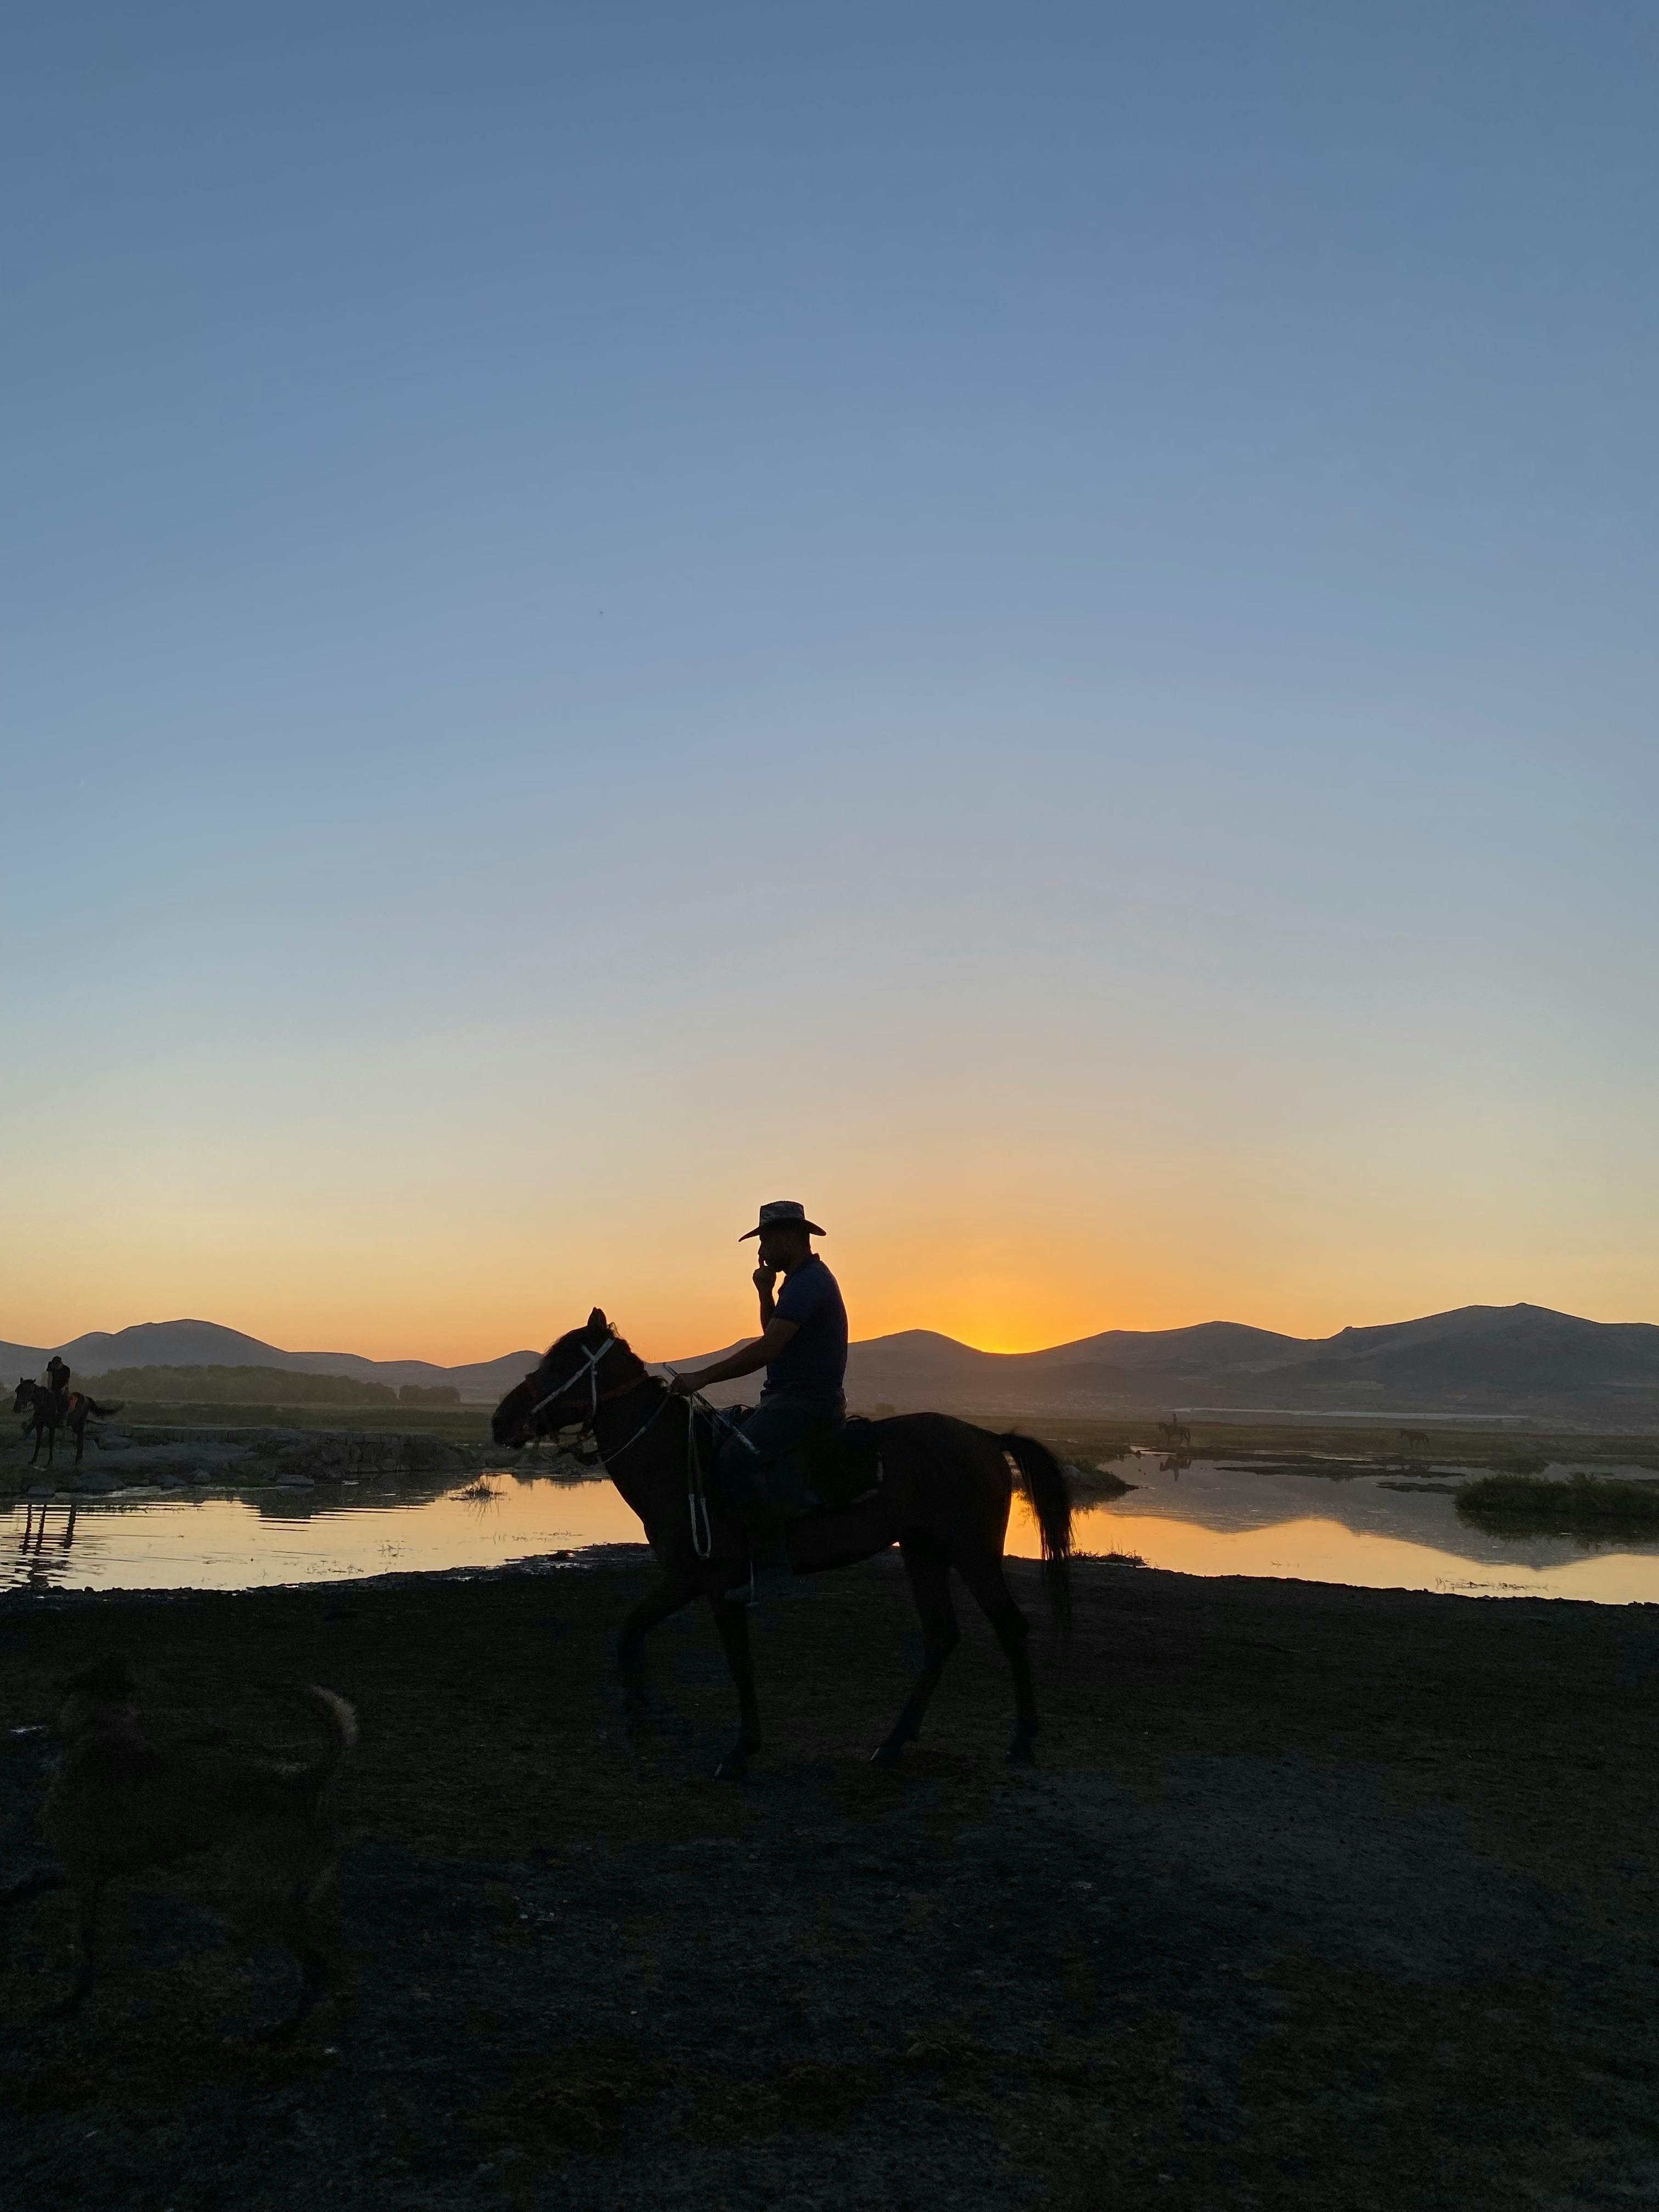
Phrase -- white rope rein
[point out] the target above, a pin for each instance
(702, 1535)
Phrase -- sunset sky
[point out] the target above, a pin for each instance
(1033, 624)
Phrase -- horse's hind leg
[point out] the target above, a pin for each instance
(928, 1566)
(732, 1621)
(986, 1580)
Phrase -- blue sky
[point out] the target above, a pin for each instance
(1032, 624)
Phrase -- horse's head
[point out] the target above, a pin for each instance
(584, 1368)
(25, 1389)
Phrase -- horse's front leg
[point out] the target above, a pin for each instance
(671, 1594)
(732, 1618)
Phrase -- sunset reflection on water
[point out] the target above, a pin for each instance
(1204, 1520)
(1203, 1517)
(1325, 1551)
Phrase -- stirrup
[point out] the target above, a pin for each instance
(742, 1593)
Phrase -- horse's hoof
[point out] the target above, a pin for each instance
(734, 1767)
(1020, 1752)
(887, 1755)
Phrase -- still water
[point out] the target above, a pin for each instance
(1202, 1519)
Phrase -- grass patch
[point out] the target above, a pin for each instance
(1582, 1502)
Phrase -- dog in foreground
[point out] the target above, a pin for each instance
(118, 1804)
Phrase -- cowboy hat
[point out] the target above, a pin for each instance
(782, 1213)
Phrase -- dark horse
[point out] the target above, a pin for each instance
(44, 1408)
(938, 1488)
(48, 1411)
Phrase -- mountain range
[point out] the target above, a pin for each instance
(206, 1343)
(1476, 1360)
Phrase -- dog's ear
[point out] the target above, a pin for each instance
(109, 1680)
(597, 1320)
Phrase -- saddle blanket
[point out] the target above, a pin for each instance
(826, 1475)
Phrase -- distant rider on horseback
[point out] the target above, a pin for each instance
(57, 1380)
(803, 1347)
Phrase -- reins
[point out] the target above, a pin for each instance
(696, 1497)
(697, 1494)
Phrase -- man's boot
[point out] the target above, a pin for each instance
(770, 1553)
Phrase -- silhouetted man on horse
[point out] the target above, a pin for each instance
(938, 1487)
(803, 1347)
(57, 1382)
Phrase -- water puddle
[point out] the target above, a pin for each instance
(1201, 1519)
(170, 1542)
(1207, 1519)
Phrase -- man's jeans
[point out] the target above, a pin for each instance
(773, 1474)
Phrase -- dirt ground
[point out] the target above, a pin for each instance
(1318, 1897)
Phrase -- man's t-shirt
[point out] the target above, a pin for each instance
(812, 1366)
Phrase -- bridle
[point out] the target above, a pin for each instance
(589, 1369)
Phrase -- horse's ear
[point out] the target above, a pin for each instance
(597, 1320)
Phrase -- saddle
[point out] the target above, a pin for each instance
(842, 1468)
(825, 1475)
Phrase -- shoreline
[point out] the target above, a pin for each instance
(540, 1565)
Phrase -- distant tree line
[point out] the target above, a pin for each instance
(260, 1386)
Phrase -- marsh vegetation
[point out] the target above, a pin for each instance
(1591, 1503)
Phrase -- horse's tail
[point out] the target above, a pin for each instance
(1042, 1478)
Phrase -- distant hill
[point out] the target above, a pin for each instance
(206, 1344)
(1476, 1360)
(241, 1386)
(1520, 1359)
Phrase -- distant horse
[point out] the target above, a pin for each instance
(45, 1409)
(938, 1488)
(1414, 1445)
(50, 1412)
(1175, 1434)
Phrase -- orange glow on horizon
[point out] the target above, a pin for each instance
(685, 1325)
(402, 1286)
